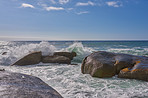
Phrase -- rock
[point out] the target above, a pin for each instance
(99, 64)
(56, 59)
(16, 85)
(69, 55)
(30, 59)
(2, 69)
(36, 57)
(138, 71)
(4, 53)
(106, 64)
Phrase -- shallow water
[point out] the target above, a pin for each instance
(68, 79)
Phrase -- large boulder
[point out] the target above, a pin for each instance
(69, 55)
(16, 85)
(99, 64)
(56, 59)
(30, 59)
(106, 64)
(138, 71)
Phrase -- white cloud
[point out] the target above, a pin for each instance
(27, 5)
(54, 8)
(83, 12)
(114, 3)
(53, 1)
(59, 1)
(63, 1)
(85, 4)
(70, 9)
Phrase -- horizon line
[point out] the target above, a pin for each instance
(85, 40)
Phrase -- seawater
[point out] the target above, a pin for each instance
(68, 79)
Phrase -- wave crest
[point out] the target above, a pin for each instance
(80, 50)
(16, 52)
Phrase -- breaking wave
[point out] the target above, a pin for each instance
(80, 50)
(68, 80)
(14, 51)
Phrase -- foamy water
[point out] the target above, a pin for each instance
(68, 79)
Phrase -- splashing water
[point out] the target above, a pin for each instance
(80, 50)
(68, 80)
(18, 51)
(45, 48)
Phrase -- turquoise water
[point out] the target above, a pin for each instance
(68, 79)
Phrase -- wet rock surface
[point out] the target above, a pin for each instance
(106, 64)
(36, 57)
(16, 85)
(56, 59)
(138, 71)
(69, 55)
(30, 59)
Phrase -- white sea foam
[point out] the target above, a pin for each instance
(80, 50)
(71, 83)
(133, 50)
(18, 51)
(67, 79)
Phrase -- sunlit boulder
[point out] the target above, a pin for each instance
(138, 71)
(99, 64)
(106, 64)
(30, 59)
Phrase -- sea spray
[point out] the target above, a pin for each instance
(80, 50)
(70, 82)
(46, 48)
(16, 52)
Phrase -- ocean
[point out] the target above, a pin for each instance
(68, 79)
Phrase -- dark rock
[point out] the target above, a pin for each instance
(99, 64)
(4, 53)
(69, 55)
(2, 69)
(36, 57)
(30, 59)
(16, 85)
(73, 64)
(56, 59)
(106, 64)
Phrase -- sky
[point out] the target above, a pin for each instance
(73, 19)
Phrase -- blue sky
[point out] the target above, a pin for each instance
(73, 19)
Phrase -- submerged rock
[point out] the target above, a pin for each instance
(30, 59)
(106, 64)
(16, 85)
(56, 59)
(69, 55)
